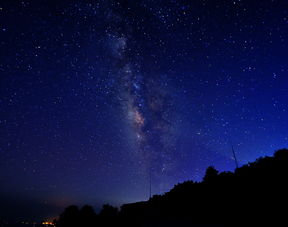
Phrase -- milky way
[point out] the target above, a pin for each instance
(146, 103)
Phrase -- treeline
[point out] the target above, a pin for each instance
(256, 191)
(86, 217)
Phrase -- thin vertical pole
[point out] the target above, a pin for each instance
(150, 184)
(236, 162)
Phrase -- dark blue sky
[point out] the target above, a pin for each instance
(94, 96)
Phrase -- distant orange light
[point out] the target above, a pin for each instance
(47, 223)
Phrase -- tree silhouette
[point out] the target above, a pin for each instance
(70, 217)
(108, 211)
(88, 216)
(211, 174)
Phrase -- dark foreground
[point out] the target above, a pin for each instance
(254, 193)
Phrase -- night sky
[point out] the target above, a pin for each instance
(95, 96)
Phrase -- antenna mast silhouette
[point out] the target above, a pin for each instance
(236, 162)
(150, 182)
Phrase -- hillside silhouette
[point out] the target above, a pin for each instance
(256, 192)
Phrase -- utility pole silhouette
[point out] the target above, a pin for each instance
(150, 184)
(236, 162)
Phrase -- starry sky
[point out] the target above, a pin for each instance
(96, 97)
